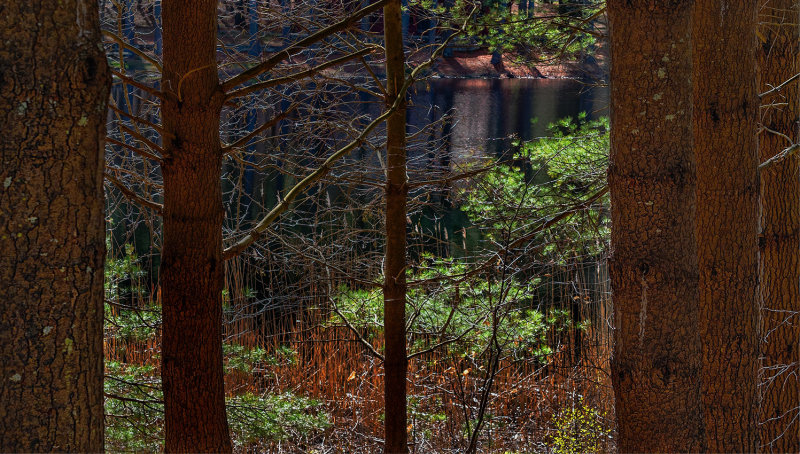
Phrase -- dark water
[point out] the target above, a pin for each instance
(480, 118)
(485, 112)
(474, 118)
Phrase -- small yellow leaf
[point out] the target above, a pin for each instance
(352, 376)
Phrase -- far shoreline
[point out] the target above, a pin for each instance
(478, 64)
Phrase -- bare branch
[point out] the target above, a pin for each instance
(791, 151)
(149, 143)
(131, 81)
(136, 150)
(358, 335)
(299, 75)
(141, 120)
(243, 141)
(131, 48)
(298, 189)
(326, 166)
(293, 49)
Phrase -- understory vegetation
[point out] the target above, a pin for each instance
(508, 339)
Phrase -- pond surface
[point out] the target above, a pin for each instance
(486, 112)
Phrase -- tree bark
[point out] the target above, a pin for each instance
(780, 228)
(54, 85)
(725, 114)
(394, 289)
(192, 268)
(656, 366)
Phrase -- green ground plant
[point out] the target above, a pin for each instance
(134, 401)
(579, 429)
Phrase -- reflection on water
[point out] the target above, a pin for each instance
(487, 111)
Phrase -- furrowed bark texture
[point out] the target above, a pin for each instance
(725, 115)
(780, 229)
(191, 268)
(394, 289)
(656, 366)
(54, 85)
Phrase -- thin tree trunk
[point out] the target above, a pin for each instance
(656, 365)
(54, 85)
(192, 268)
(394, 289)
(725, 115)
(780, 228)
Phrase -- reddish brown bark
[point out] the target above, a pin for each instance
(394, 289)
(725, 114)
(656, 366)
(191, 269)
(780, 228)
(54, 85)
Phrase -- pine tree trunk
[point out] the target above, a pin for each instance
(780, 229)
(54, 85)
(394, 289)
(725, 115)
(192, 269)
(656, 366)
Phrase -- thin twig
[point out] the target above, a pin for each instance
(298, 46)
(297, 76)
(141, 120)
(130, 195)
(780, 87)
(243, 141)
(136, 150)
(358, 335)
(149, 143)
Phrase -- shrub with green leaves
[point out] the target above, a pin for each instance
(459, 311)
(134, 408)
(545, 178)
(127, 320)
(133, 325)
(122, 274)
